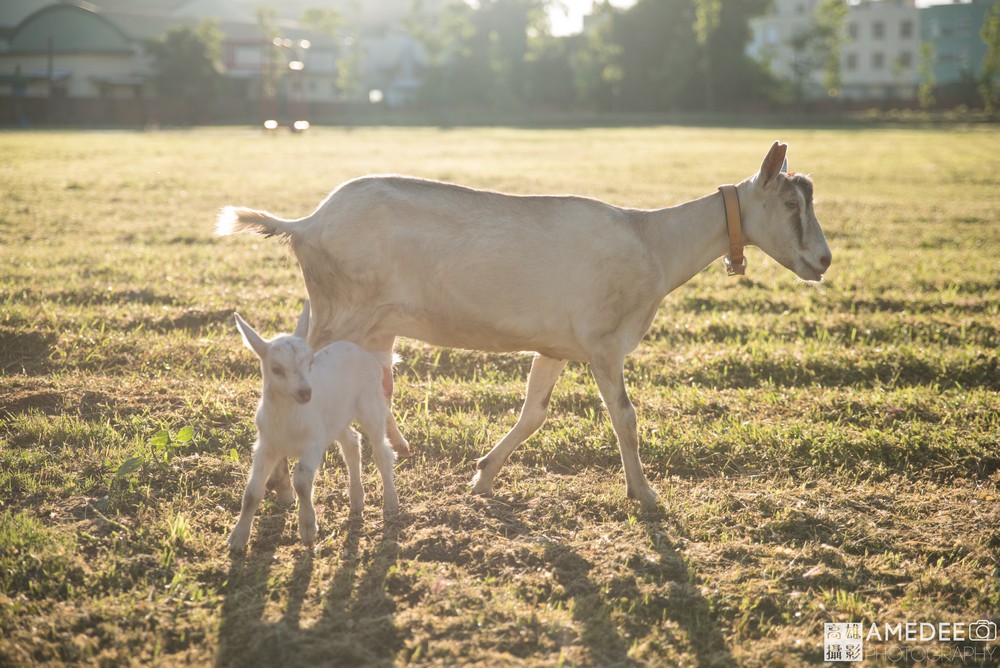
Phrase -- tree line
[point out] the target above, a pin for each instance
(500, 56)
(657, 55)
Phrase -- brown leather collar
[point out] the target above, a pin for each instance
(735, 261)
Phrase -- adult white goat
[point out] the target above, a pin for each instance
(568, 278)
(308, 401)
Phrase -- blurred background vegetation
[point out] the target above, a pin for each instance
(190, 62)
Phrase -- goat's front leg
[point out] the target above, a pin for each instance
(610, 377)
(305, 472)
(263, 462)
(544, 373)
(281, 483)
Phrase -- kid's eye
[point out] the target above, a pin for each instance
(278, 371)
(792, 204)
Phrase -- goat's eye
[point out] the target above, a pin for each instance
(278, 371)
(793, 204)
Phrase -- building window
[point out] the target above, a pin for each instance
(878, 60)
(878, 30)
(851, 62)
(906, 29)
(853, 32)
(906, 60)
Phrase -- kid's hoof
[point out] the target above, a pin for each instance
(238, 540)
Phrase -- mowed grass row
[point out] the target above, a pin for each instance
(824, 452)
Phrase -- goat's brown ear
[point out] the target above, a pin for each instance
(772, 162)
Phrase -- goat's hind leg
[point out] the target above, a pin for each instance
(374, 426)
(281, 483)
(350, 450)
(544, 373)
(399, 443)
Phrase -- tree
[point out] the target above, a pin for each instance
(990, 68)
(330, 22)
(925, 92)
(817, 49)
(444, 38)
(707, 20)
(831, 16)
(187, 66)
(594, 58)
(664, 67)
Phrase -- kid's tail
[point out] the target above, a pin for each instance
(233, 219)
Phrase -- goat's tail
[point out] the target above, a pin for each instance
(233, 219)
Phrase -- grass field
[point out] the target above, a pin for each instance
(824, 453)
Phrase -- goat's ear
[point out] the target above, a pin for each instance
(773, 163)
(251, 339)
(302, 328)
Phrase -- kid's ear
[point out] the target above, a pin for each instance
(302, 328)
(774, 162)
(251, 339)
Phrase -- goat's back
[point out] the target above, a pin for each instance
(468, 268)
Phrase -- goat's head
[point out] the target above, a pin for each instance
(778, 217)
(285, 360)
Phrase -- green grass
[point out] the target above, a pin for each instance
(824, 452)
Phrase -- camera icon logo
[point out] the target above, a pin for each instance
(983, 630)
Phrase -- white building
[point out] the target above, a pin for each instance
(879, 56)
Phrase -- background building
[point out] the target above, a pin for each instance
(953, 32)
(881, 47)
(879, 58)
(78, 62)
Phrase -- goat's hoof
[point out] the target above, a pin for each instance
(647, 498)
(308, 533)
(402, 449)
(390, 504)
(480, 485)
(238, 541)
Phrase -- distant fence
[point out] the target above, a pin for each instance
(139, 112)
(27, 111)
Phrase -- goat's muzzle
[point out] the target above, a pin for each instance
(304, 395)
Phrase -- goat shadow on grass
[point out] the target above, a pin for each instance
(677, 601)
(590, 602)
(246, 593)
(684, 605)
(356, 623)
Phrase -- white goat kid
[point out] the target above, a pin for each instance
(567, 277)
(308, 402)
